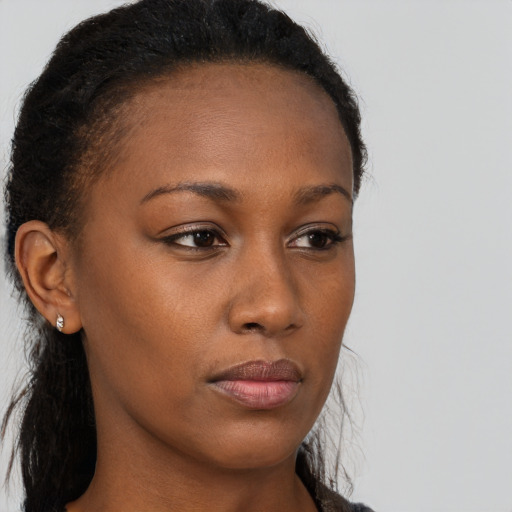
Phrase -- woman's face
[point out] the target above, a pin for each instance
(215, 271)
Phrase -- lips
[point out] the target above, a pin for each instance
(259, 384)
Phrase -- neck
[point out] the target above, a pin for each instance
(150, 476)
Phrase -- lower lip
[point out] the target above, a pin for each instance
(259, 394)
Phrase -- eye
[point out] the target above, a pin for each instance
(317, 239)
(196, 239)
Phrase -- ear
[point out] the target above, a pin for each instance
(41, 258)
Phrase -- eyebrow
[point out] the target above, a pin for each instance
(307, 195)
(214, 191)
(219, 192)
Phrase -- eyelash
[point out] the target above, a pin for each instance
(334, 238)
(171, 239)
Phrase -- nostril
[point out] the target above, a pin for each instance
(257, 327)
(252, 326)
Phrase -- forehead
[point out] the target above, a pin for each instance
(222, 84)
(234, 121)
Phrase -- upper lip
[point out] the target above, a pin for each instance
(264, 371)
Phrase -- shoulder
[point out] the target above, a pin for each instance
(329, 501)
(326, 499)
(359, 507)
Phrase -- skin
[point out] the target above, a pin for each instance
(160, 317)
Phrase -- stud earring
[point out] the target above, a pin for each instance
(59, 323)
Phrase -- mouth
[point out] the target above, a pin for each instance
(259, 385)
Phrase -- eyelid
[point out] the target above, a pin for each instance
(184, 229)
(324, 227)
(329, 230)
(189, 229)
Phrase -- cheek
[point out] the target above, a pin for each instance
(147, 336)
(328, 295)
(328, 298)
(138, 319)
(337, 292)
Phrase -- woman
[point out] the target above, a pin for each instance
(179, 222)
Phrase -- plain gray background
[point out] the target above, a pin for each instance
(431, 321)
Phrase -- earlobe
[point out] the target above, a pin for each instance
(41, 261)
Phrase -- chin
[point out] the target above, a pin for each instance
(258, 450)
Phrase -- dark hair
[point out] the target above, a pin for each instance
(93, 71)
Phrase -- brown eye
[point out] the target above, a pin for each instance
(196, 239)
(317, 240)
(203, 238)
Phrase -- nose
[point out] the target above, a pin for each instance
(265, 299)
